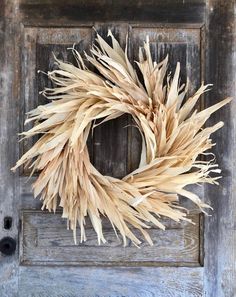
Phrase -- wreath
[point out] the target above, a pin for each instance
(173, 137)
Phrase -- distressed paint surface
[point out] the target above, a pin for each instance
(37, 12)
(201, 34)
(110, 282)
(220, 233)
(38, 47)
(9, 127)
(45, 240)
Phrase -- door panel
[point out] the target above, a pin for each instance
(200, 34)
(39, 45)
(181, 44)
(44, 238)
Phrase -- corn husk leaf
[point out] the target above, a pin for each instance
(173, 136)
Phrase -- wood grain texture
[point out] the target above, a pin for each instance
(110, 282)
(110, 140)
(69, 13)
(182, 45)
(220, 234)
(45, 240)
(115, 152)
(110, 147)
(185, 18)
(9, 119)
(37, 54)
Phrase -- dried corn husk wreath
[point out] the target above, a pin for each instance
(173, 138)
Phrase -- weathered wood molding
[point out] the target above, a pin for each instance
(220, 234)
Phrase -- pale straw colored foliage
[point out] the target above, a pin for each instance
(173, 135)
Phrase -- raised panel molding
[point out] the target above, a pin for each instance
(45, 240)
(182, 45)
(37, 48)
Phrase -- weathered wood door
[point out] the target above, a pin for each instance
(186, 260)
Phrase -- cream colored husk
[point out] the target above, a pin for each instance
(174, 136)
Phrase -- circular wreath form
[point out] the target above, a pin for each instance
(172, 132)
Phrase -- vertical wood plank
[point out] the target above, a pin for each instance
(134, 135)
(9, 115)
(220, 234)
(110, 147)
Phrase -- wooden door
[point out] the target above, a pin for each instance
(186, 260)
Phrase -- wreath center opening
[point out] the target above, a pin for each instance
(115, 146)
